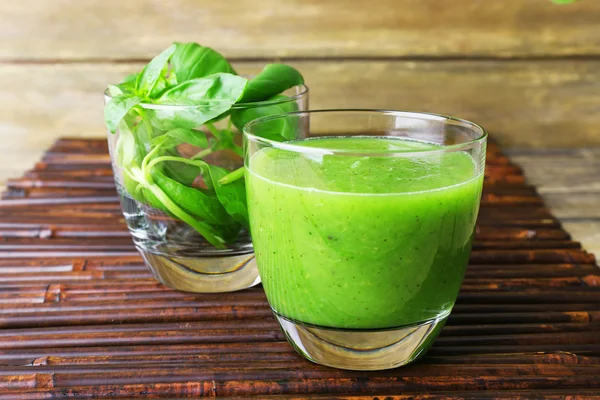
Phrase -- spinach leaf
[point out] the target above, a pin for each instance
(147, 80)
(116, 108)
(272, 80)
(278, 130)
(192, 60)
(206, 98)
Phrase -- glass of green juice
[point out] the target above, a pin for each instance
(362, 228)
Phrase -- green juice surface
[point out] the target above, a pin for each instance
(362, 241)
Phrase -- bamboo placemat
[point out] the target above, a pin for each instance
(82, 317)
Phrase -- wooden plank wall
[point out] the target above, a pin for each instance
(528, 70)
(569, 182)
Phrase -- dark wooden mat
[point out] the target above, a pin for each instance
(82, 317)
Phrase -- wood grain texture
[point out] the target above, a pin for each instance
(561, 171)
(543, 103)
(113, 29)
(569, 181)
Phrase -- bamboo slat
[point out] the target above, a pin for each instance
(82, 317)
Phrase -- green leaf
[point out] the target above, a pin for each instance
(156, 69)
(114, 90)
(280, 129)
(219, 88)
(129, 153)
(206, 230)
(116, 108)
(206, 98)
(166, 145)
(177, 136)
(201, 204)
(272, 80)
(127, 86)
(131, 78)
(192, 60)
(182, 173)
(231, 195)
(226, 141)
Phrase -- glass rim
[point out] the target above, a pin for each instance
(291, 146)
(302, 92)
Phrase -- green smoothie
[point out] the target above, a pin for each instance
(362, 241)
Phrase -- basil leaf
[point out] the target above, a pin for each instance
(219, 87)
(194, 201)
(231, 195)
(206, 98)
(131, 78)
(192, 60)
(114, 90)
(178, 171)
(182, 173)
(116, 108)
(226, 141)
(127, 86)
(129, 152)
(204, 229)
(177, 136)
(280, 129)
(147, 80)
(273, 79)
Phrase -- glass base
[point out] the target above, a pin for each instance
(216, 274)
(362, 350)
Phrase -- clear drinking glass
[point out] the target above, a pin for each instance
(362, 228)
(191, 234)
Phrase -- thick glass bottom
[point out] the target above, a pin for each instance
(181, 258)
(215, 274)
(362, 350)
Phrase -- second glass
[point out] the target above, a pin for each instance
(362, 228)
(189, 227)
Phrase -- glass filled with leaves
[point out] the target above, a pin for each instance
(174, 134)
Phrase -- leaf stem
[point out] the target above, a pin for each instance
(213, 129)
(232, 176)
(200, 227)
(197, 163)
(145, 169)
(202, 154)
